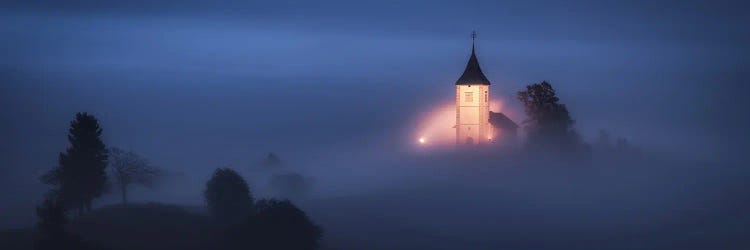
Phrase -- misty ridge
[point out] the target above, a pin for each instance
(551, 190)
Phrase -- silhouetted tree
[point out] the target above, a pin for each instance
(290, 185)
(51, 213)
(51, 233)
(272, 160)
(276, 225)
(281, 225)
(81, 174)
(228, 196)
(130, 168)
(549, 122)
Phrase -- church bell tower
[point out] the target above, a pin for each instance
(473, 104)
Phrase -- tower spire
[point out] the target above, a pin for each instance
(473, 74)
(473, 38)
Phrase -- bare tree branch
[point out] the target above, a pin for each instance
(130, 168)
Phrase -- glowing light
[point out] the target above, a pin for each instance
(435, 125)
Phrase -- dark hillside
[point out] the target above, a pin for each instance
(144, 226)
(16, 239)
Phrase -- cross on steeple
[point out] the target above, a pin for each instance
(473, 37)
(473, 74)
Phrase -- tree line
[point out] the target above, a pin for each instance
(81, 176)
(549, 125)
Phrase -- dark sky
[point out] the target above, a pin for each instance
(197, 84)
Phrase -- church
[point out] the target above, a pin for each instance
(475, 123)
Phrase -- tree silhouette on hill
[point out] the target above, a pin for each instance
(281, 225)
(272, 161)
(80, 176)
(130, 168)
(549, 124)
(276, 225)
(228, 196)
(51, 233)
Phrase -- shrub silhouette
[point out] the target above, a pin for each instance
(272, 161)
(281, 225)
(228, 196)
(51, 232)
(276, 225)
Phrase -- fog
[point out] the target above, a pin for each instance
(340, 91)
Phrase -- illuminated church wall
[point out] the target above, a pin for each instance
(472, 114)
(470, 119)
(473, 103)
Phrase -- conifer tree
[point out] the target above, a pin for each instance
(81, 174)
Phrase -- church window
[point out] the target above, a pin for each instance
(469, 97)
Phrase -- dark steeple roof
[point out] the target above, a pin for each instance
(473, 74)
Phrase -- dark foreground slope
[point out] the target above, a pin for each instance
(145, 227)
(16, 239)
(139, 226)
